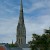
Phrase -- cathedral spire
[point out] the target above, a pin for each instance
(21, 30)
(21, 18)
(21, 5)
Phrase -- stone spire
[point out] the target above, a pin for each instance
(21, 31)
(21, 18)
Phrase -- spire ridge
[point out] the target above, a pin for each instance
(21, 5)
(21, 18)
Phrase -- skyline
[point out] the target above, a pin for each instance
(36, 16)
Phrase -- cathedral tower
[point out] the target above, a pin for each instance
(21, 31)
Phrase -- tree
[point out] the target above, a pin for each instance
(40, 41)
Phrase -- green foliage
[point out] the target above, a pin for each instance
(40, 41)
(12, 45)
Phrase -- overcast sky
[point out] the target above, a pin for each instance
(36, 16)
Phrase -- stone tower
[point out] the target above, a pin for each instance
(21, 31)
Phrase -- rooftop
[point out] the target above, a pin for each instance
(2, 48)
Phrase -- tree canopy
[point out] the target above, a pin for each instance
(40, 42)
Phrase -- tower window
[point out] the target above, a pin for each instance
(19, 41)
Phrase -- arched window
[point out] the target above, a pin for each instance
(19, 41)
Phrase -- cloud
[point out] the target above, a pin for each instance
(8, 29)
(38, 5)
(9, 12)
(37, 26)
(7, 8)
